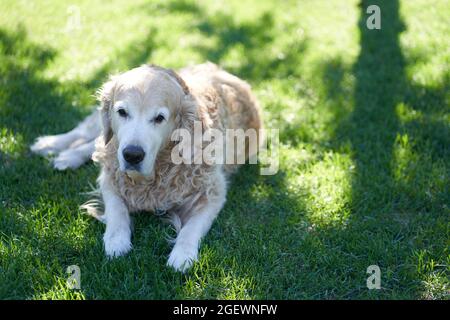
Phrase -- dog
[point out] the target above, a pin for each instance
(130, 136)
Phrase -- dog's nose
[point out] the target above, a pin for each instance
(133, 154)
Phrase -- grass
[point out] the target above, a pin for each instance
(364, 158)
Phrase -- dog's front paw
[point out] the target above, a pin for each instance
(117, 242)
(45, 145)
(68, 159)
(182, 257)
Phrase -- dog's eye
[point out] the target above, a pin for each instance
(158, 119)
(122, 113)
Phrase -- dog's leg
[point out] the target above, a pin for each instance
(74, 158)
(87, 130)
(185, 250)
(117, 237)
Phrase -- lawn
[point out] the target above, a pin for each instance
(364, 124)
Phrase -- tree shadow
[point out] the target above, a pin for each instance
(29, 102)
(373, 124)
(250, 41)
(391, 192)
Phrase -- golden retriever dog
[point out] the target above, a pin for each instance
(132, 137)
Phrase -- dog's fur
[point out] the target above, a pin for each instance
(191, 194)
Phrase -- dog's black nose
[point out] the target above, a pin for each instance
(133, 154)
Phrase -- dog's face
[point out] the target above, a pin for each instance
(140, 108)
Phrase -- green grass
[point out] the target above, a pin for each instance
(364, 158)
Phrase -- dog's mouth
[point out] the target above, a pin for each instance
(132, 168)
(135, 172)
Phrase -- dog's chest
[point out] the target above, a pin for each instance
(145, 195)
(163, 193)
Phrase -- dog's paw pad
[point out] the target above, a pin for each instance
(182, 257)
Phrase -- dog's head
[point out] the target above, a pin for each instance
(141, 108)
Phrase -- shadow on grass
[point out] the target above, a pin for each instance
(29, 102)
(396, 219)
(250, 40)
(398, 195)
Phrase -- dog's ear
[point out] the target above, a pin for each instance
(180, 80)
(173, 75)
(188, 113)
(106, 97)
